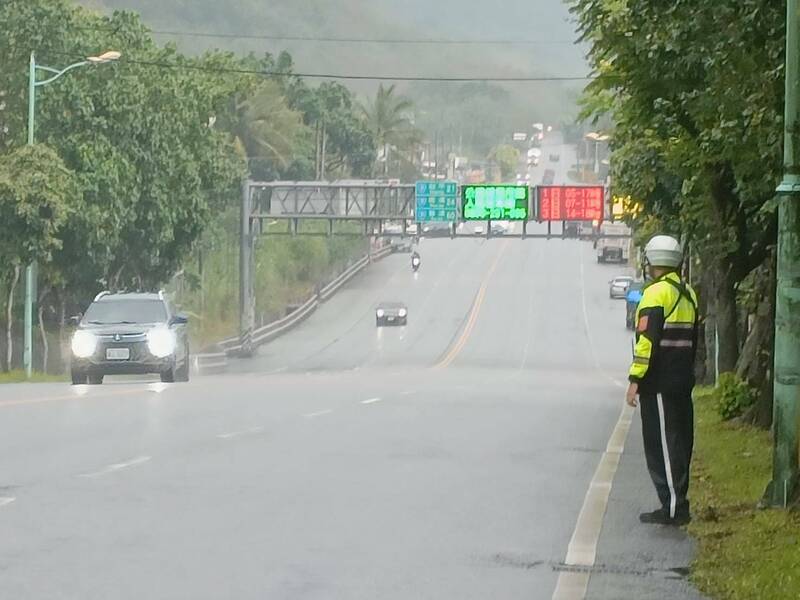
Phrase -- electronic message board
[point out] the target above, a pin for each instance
(570, 202)
(495, 202)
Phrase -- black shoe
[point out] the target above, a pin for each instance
(661, 517)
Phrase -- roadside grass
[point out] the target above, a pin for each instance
(18, 376)
(743, 552)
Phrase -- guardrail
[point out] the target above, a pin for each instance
(217, 362)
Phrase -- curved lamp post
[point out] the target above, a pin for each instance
(30, 271)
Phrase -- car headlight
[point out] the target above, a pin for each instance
(380, 313)
(161, 342)
(402, 313)
(84, 343)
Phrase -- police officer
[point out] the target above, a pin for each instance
(662, 375)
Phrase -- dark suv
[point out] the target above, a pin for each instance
(130, 334)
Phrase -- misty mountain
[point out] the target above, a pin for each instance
(545, 24)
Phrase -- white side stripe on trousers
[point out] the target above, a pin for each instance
(665, 450)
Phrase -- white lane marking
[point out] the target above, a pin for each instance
(582, 549)
(6, 500)
(317, 414)
(665, 449)
(234, 434)
(157, 387)
(371, 401)
(118, 467)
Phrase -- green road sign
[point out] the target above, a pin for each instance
(436, 201)
(495, 202)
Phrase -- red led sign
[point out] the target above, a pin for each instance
(570, 202)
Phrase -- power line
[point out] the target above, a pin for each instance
(348, 77)
(343, 40)
(350, 40)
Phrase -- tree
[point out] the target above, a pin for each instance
(136, 134)
(269, 134)
(36, 196)
(389, 118)
(343, 144)
(695, 91)
(507, 158)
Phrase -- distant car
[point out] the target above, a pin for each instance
(391, 313)
(130, 334)
(402, 244)
(435, 229)
(632, 298)
(554, 158)
(571, 229)
(618, 287)
(412, 229)
(479, 229)
(499, 227)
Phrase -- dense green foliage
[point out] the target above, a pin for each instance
(732, 396)
(507, 159)
(695, 95)
(141, 159)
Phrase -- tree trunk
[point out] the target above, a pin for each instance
(10, 320)
(316, 151)
(755, 362)
(724, 313)
(62, 318)
(43, 332)
(723, 205)
(324, 151)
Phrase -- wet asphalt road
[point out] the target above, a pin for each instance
(446, 459)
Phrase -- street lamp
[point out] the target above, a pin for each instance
(30, 271)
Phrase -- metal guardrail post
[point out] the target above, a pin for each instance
(246, 275)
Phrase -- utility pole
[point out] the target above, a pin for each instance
(787, 301)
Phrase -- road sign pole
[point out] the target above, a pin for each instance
(787, 301)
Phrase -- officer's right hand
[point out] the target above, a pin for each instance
(630, 395)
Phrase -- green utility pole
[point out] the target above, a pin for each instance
(787, 310)
(30, 271)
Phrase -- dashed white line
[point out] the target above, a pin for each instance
(371, 401)
(235, 434)
(118, 466)
(6, 500)
(317, 414)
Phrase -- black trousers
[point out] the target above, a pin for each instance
(668, 431)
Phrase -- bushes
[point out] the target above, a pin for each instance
(732, 396)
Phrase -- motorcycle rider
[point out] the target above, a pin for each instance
(415, 260)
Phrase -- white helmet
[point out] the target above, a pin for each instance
(664, 251)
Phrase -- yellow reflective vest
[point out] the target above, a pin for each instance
(666, 336)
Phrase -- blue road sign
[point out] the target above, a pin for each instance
(436, 201)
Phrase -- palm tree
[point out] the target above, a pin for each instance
(388, 117)
(265, 129)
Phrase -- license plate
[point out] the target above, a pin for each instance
(390, 318)
(118, 353)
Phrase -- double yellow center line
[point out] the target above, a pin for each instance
(456, 349)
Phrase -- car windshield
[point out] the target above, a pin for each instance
(125, 311)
